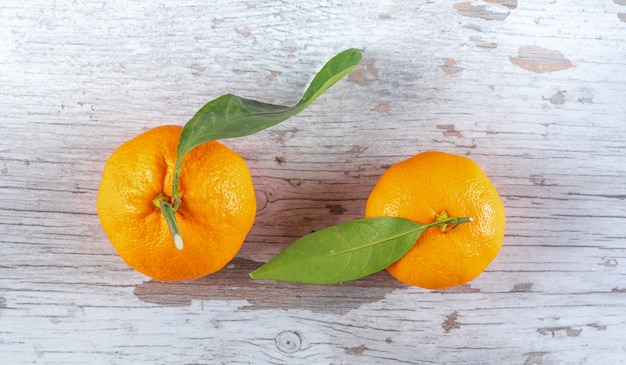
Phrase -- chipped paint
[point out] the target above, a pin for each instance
(450, 67)
(482, 44)
(273, 75)
(473, 27)
(268, 295)
(511, 4)
(357, 150)
(522, 288)
(449, 130)
(382, 108)
(478, 11)
(599, 327)
(540, 60)
(609, 262)
(364, 74)
(538, 180)
(557, 99)
(240, 71)
(243, 31)
(569, 331)
(358, 350)
(621, 16)
(450, 323)
(534, 358)
(282, 136)
(197, 69)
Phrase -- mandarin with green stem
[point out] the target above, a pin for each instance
(429, 186)
(217, 205)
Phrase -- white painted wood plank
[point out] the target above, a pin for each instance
(78, 79)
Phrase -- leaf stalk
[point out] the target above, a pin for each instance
(162, 202)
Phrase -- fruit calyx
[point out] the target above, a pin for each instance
(447, 224)
(162, 202)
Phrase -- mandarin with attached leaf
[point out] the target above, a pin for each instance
(216, 212)
(432, 185)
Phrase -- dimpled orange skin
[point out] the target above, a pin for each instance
(217, 208)
(422, 187)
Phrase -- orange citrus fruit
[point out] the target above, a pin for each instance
(216, 211)
(425, 186)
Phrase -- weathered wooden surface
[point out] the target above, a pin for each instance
(534, 91)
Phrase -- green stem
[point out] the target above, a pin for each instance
(175, 192)
(162, 202)
(446, 223)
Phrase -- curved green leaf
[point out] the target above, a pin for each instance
(231, 116)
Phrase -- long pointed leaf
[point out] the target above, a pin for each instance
(343, 252)
(332, 72)
(232, 116)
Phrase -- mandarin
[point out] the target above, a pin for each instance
(216, 211)
(422, 189)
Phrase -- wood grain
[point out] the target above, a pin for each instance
(532, 91)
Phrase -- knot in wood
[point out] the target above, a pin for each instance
(288, 341)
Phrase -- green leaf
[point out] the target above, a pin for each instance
(231, 116)
(349, 250)
(333, 71)
(344, 252)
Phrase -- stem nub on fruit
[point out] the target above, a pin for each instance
(446, 224)
(162, 202)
